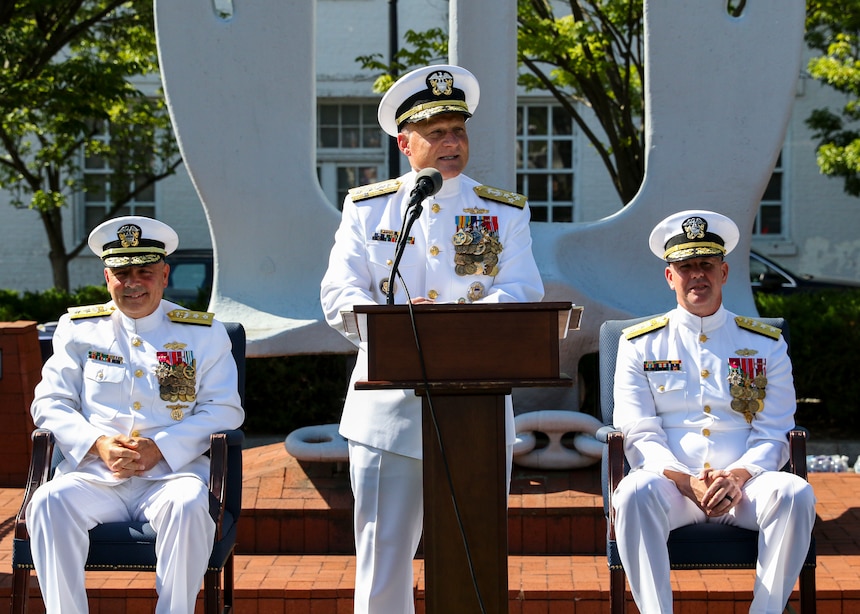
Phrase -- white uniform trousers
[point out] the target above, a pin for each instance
(780, 505)
(64, 509)
(389, 518)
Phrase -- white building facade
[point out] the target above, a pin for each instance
(806, 221)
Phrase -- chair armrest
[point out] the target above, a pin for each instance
(797, 452)
(602, 434)
(217, 479)
(615, 469)
(40, 469)
(225, 475)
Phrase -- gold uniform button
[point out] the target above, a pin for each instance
(707, 409)
(135, 433)
(435, 208)
(136, 342)
(434, 251)
(705, 373)
(702, 338)
(707, 465)
(138, 373)
(136, 405)
(432, 294)
(389, 262)
(706, 432)
(661, 388)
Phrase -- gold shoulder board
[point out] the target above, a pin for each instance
(758, 327)
(374, 189)
(637, 330)
(501, 196)
(186, 316)
(90, 311)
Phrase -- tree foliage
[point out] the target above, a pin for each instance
(67, 73)
(833, 32)
(588, 55)
(591, 60)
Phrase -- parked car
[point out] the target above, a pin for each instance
(769, 277)
(190, 279)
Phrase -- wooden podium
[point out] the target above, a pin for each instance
(473, 355)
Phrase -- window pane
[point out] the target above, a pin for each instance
(537, 154)
(328, 114)
(349, 114)
(562, 187)
(328, 137)
(562, 123)
(562, 154)
(562, 214)
(372, 137)
(774, 188)
(539, 213)
(770, 219)
(96, 188)
(95, 162)
(350, 138)
(147, 195)
(537, 120)
(537, 188)
(92, 217)
(368, 115)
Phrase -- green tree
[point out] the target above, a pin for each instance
(588, 55)
(833, 34)
(67, 70)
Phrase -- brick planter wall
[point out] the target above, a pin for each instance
(21, 370)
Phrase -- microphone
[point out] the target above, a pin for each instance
(428, 181)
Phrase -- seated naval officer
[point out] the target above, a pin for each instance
(705, 399)
(470, 244)
(132, 393)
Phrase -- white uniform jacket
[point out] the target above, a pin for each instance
(673, 398)
(102, 379)
(360, 265)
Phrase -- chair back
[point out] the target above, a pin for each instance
(238, 339)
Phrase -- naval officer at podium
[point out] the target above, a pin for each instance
(471, 243)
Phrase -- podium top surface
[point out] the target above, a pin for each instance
(464, 346)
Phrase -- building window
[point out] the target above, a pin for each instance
(100, 188)
(350, 148)
(768, 222)
(545, 161)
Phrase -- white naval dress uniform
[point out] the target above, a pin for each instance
(101, 380)
(673, 404)
(384, 427)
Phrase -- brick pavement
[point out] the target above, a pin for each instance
(303, 512)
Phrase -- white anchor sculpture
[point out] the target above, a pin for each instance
(239, 77)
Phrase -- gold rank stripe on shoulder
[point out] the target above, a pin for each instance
(90, 311)
(185, 316)
(374, 189)
(501, 196)
(637, 330)
(758, 327)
